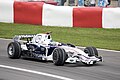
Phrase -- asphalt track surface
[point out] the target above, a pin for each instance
(29, 69)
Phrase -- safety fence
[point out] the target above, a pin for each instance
(65, 16)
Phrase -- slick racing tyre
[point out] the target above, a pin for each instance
(59, 56)
(14, 50)
(91, 51)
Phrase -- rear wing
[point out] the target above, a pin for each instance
(19, 37)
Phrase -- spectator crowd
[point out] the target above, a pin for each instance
(87, 3)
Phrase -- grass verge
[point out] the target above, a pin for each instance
(98, 37)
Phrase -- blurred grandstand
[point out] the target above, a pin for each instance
(114, 3)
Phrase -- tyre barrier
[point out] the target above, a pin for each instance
(65, 16)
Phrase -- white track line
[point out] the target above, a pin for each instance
(108, 50)
(101, 49)
(36, 72)
(5, 39)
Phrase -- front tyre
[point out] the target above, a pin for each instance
(59, 56)
(91, 51)
(14, 50)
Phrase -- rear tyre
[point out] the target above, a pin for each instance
(59, 56)
(14, 50)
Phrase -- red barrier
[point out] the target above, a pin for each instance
(88, 17)
(28, 12)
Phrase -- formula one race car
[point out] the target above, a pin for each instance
(41, 46)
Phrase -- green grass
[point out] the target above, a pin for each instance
(100, 38)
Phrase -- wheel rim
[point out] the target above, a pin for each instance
(11, 50)
(87, 51)
(55, 56)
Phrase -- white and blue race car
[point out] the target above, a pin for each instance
(41, 46)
